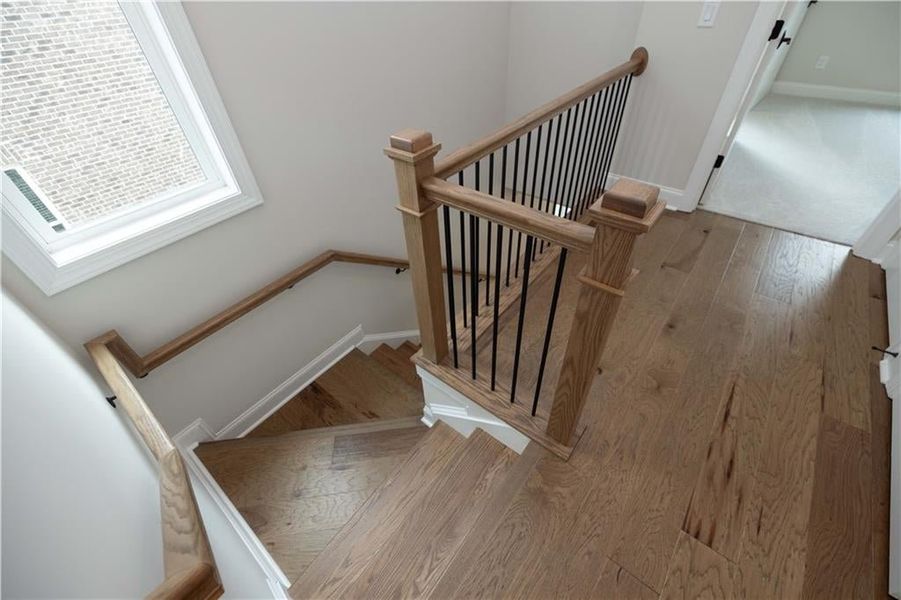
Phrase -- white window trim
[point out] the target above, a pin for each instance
(107, 245)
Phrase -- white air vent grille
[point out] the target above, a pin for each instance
(39, 205)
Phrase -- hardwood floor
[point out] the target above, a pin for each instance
(736, 445)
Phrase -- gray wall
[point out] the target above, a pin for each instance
(556, 46)
(313, 91)
(861, 40)
(80, 498)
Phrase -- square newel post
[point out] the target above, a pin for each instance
(413, 154)
(626, 211)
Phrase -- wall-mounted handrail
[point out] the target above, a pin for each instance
(569, 234)
(141, 365)
(465, 156)
(187, 557)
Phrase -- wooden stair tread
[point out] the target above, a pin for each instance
(411, 548)
(357, 388)
(359, 381)
(412, 561)
(382, 512)
(297, 490)
(311, 434)
(398, 363)
(408, 349)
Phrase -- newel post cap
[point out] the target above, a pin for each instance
(630, 205)
(411, 145)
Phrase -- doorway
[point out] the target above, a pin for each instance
(815, 147)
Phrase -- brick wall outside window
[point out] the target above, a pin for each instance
(82, 111)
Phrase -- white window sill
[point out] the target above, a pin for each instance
(56, 271)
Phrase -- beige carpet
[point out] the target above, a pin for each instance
(818, 167)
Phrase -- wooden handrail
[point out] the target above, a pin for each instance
(187, 557)
(141, 365)
(465, 156)
(569, 234)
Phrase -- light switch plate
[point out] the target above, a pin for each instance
(821, 63)
(708, 13)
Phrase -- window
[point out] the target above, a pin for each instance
(115, 141)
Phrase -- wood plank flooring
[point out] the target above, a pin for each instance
(736, 445)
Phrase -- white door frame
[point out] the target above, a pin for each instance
(746, 64)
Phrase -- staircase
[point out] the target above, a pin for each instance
(354, 497)
(303, 473)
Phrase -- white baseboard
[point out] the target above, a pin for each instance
(444, 403)
(274, 400)
(831, 92)
(674, 198)
(371, 341)
(188, 439)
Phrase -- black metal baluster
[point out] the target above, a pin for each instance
(473, 284)
(589, 193)
(619, 119)
(497, 297)
(522, 313)
(561, 167)
(580, 144)
(525, 187)
(561, 264)
(586, 157)
(499, 251)
(488, 249)
(534, 181)
(449, 260)
(510, 239)
(542, 198)
(474, 276)
(605, 136)
(608, 143)
(564, 179)
(462, 257)
(550, 188)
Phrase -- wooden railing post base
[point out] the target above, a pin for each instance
(626, 211)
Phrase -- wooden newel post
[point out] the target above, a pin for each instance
(413, 154)
(626, 211)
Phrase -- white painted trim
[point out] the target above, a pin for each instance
(61, 265)
(188, 439)
(271, 402)
(832, 92)
(371, 341)
(746, 63)
(463, 415)
(673, 197)
(874, 240)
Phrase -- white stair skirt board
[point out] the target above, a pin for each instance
(831, 92)
(371, 341)
(186, 441)
(674, 198)
(274, 400)
(447, 404)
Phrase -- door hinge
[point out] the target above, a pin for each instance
(111, 400)
(719, 161)
(777, 29)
